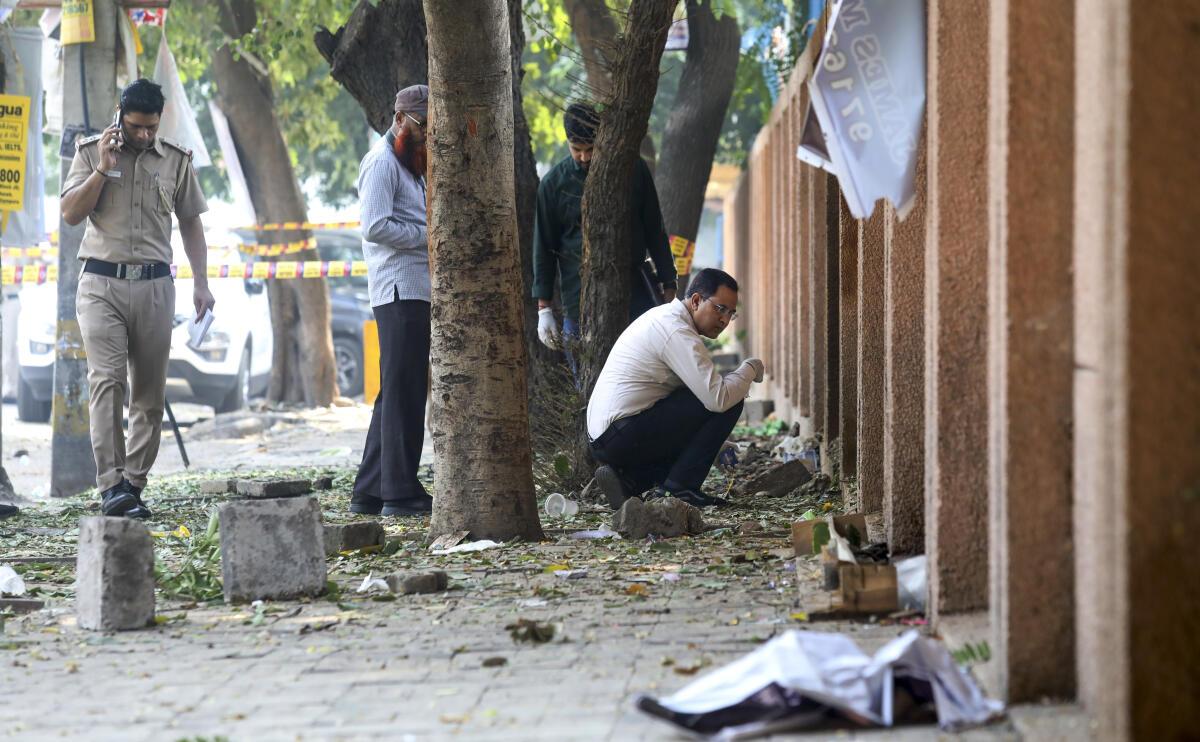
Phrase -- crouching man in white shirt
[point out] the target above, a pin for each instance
(660, 411)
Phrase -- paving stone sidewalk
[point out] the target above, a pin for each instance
(647, 618)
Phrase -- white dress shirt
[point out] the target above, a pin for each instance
(660, 352)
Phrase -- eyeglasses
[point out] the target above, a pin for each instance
(420, 124)
(723, 310)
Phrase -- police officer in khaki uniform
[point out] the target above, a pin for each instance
(126, 182)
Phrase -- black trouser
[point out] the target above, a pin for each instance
(397, 433)
(673, 444)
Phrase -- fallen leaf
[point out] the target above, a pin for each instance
(495, 662)
(638, 590)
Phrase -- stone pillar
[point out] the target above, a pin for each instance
(1137, 352)
(848, 341)
(818, 237)
(1030, 314)
(832, 296)
(804, 293)
(955, 308)
(870, 363)
(114, 575)
(904, 376)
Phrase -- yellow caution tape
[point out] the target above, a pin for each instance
(283, 248)
(283, 269)
(285, 226)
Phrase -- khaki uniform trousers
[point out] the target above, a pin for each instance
(126, 327)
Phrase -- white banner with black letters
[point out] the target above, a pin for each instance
(868, 100)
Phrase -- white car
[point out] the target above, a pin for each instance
(233, 363)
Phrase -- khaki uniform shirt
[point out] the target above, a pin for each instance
(132, 219)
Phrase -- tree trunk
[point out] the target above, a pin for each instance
(541, 359)
(380, 50)
(374, 84)
(481, 429)
(694, 126)
(302, 368)
(595, 29)
(607, 211)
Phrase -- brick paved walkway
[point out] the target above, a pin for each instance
(414, 668)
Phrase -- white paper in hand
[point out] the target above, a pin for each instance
(198, 329)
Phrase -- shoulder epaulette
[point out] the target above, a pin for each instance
(176, 145)
(84, 141)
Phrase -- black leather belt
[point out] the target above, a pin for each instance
(142, 272)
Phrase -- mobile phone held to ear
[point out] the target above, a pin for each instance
(120, 130)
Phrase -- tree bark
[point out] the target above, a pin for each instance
(381, 50)
(302, 369)
(607, 211)
(481, 429)
(541, 358)
(595, 29)
(694, 127)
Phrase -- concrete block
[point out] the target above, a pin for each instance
(272, 549)
(419, 582)
(778, 480)
(114, 575)
(755, 411)
(347, 536)
(218, 486)
(265, 489)
(664, 517)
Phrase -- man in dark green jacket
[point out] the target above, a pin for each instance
(558, 234)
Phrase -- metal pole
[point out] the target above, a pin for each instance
(72, 465)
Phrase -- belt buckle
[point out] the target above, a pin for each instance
(134, 272)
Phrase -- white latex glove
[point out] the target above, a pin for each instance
(759, 368)
(548, 329)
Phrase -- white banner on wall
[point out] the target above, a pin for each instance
(868, 102)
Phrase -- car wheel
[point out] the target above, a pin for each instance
(30, 409)
(348, 355)
(237, 396)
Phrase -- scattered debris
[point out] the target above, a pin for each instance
(265, 489)
(777, 481)
(20, 605)
(748, 527)
(11, 582)
(495, 662)
(446, 541)
(596, 534)
(418, 583)
(911, 577)
(665, 517)
(535, 632)
(558, 506)
(351, 536)
(806, 680)
(809, 534)
(463, 548)
(323, 483)
(371, 582)
(218, 486)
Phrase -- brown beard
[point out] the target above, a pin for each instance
(411, 154)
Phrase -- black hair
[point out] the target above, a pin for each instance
(580, 122)
(142, 96)
(707, 281)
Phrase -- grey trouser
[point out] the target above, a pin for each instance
(126, 327)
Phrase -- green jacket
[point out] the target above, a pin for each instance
(558, 234)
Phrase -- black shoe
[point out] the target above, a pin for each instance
(139, 511)
(616, 490)
(691, 497)
(119, 499)
(365, 504)
(9, 511)
(419, 505)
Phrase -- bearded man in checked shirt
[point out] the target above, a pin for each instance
(391, 189)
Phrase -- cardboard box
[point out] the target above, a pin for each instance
(868, 588)
(851, 527)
